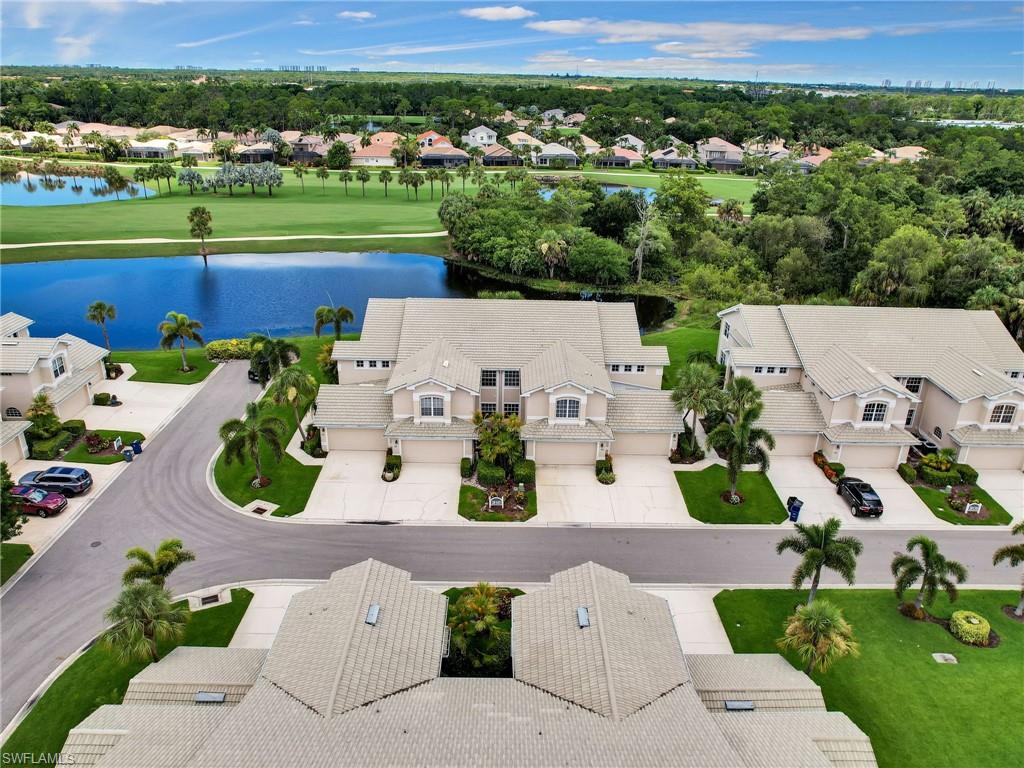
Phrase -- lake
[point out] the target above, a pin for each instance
(610, 189)
(30, 189)
(240, 293)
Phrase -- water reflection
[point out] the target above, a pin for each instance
(29, 189)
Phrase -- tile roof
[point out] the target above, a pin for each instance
(20, 354)
(185, 671)
(458, 429)
(373, 150)
(790, 411)
(542, 429)
(496, 150)
(768, 680)
(644, 411)
(443, 151)
(975, 435)
(439, 361)
(352, 405)
(382, 329)
(561, 364)
(770, 342)
(787, 739)
(12, 322)
(848, 434)
(556, 150)
(839, 372)
(620, 336)
(519, 137)
(9, 430)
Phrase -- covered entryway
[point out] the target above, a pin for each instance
(994, 458)
(869, 456)
(642, 443)
(356, 440)
(565, 453)
(436, 451)
(795, 445)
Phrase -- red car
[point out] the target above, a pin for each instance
(34, 501)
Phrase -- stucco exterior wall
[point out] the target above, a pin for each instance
(650, 378)
(349, 374)
(937, 409)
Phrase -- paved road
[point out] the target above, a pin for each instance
(58, 605)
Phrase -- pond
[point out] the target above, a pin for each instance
(30, 189)
(240, 293)
(610, 189)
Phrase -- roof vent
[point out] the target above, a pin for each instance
(583, 617)
(210, 697)
(372, 613)
(444, 364)
(976, 372)
(735, 705)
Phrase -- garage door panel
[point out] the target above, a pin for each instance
(356, 440)
(795, 445)
(565, 453)
(645, 444)
(435, 451)
(871, 457)
(12, 453)
(996, 458)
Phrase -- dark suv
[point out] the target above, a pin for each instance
(860, 496)
(68, 481)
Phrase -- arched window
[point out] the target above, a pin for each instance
(1003, 414)
(567, 408)
(432, 406)
(12, 413)
(875, 412)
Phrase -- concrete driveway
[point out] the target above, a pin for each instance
(645, 492)
(1007, 487)
(350, 489)
(147, 406)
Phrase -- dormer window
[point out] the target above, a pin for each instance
(431, 406)
(57, 364)
(1003, 414)
(874, 412)
(567, 408)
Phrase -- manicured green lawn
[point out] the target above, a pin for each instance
(12, 557)
(98, 678)
(79, 455)
(680, 342)
(918, 713)
(471, 499)
(164, 366)
(702, 493)
(938, 503)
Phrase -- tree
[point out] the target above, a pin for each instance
(45, 422)
(683, 203)
(431, 176)
(820, 548)
(331, 315)
(739, 395)
(1014, 554)
(345, 177)
(155, 567)
(498, 438)
(115, 181)
(292, 386)
(246, 438)
(416, 181)
(143, 616)
(99, 312)
(405, 179)
(139, 176)
(323, 174)
(339, 156)
(270, 177)
(820, 635)
(553, 250)
(476, 630)
(270, 355)
(645, 217)
(299, 169)
(191, 178)
(363, 176)
(385, 178)
(200, 223)
(900, 271)
(11, 518)
(933, 569)
(177, 329)
(166, 172)
(463, 172)
(697, 393)
(731, 210)
(744, 443)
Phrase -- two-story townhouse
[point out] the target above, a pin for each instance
(574, 372)
(864, 384)
(630, 141)
(720, 154)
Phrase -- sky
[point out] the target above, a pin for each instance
(817, 42)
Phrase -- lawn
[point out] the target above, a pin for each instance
(938, 503)
(917, 712)
(702, 493)
(164, 366)
(291, 482)
(471, 499)
(12, 557)
(98, 678)
(79, 455)
(680, 342)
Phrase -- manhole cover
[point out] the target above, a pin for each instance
(95, 544)
(945, 658)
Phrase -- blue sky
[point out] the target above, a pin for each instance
(796, 41)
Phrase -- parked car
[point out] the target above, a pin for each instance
(69, 481)
(860, 496)
(35, 501)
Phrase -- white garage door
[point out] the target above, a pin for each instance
(435, 451)
(996, 458)
(12, 452)
(565, 453)
(356, 440)
(637, 443)
(73, 405)
(795, 445)
(869, 457)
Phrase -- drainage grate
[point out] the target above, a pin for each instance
(259, 510)
(209, 599)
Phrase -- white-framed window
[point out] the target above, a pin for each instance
(432, 405)
(12, 413)
(937, 431)
(913, 384)
(874, 412)
(511, 378)
(567, 408)
(615, 367)
(1003, 414)
(373, 363)
(726, 330)
(641, 368)
(385, 363)
(360, 363)
(771, 369)
(911, 413)
(1014, 374)
(511, 409)
(783, 369)
(488, 408)
(627, 368)
(721, 358)
(488, 378)
(57, 365)
(758, 369)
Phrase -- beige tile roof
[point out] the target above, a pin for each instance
(597, 667)
(186, 670)
(20, 355)
(644, 411)
(974, 435)
(9, 430)
(458, 429)
(788, 739)
(790, 411)
(620, 336)
(840, 372)
(768, 680)
(352, 405)
(965, 378)
(382, 328)
(561, 364)
(555, 150)
(769, 339)
(11, 322)
(328, 658)
(439, 361)
(848, 434)
(541, 429)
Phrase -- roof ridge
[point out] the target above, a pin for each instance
(606, 662)
(348, 640)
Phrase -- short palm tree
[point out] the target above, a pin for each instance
(553, 250)
(820, 548)
(933, 570)
(744, 443)
(156, 566)
(739, 395)
(1014, 554)
(143, 616)
(498, 438)
(476, 630)
(99, 312)
(270, 355)
(244, 439)
(293, 386)
(177, 329)
(696, 392)
(820, 635)
(335, 316)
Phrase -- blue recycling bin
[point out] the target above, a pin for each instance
(793, 505)
(128, 454)
(136, 446)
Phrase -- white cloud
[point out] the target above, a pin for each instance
(416, 48)
(303, 21)
(715, 34)
(34, 15)
(225, 36)
(498, 13)
(559, 61)
(74, 49)
(703, 51)
(357, 15)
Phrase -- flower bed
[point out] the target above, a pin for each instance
(832, 470)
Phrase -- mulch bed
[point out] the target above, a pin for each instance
(908, 610)
(726, 497)
(1009, 611)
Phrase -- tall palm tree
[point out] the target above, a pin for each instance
(476, 629)
(99, 312)
(463, 172)
(385, 179)
(820, 635)
(431, 176)
(933, 569)
(331, 315)
(177, 329)
(140, 176)
(363, 176)
(696, 392)
(744, 443)
(270, 355)
(200, 224)
(1014, 553)
(821, 548)
(156, 566)
(323, 174)
(143, 616)
(553, 250)
(739, 395)
(345, 177)
(293, 385)
(244, 439)
(299, 169)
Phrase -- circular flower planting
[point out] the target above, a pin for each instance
(970, 627)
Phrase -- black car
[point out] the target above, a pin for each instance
(68, 481)
(860, 496)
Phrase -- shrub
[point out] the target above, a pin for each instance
(602, 465)
(466, 468)
(525, 471)
(489, 475)
(819, 459)
(838, 468)
(75, 426)
(941, 460)
(968, 474)
(393, 464)
(907, 472)
(937, 477)
(101, 398)
(229, 349)
(51, 447)
(969, 627)
(95, 442)
(606, 478)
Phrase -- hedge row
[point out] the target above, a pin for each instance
(46, 450)
(525, 471)
(488, 474)
(228, 349)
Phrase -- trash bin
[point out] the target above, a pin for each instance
(793, 504)
(136, 446)
(128, 454)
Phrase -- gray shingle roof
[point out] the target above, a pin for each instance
(458, 429)
(790, 411)
(186, 670)
(974, 435)
(644, 411)
(848, 434)
(542, 429)
(352, 405)
(11, 322)
(9, 430)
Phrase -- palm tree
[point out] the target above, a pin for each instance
(821, 548)
(820, 635)
(363, 176)
(476, 630)
(739, 395)
(1014, 553)
(323, 174)
(177, 329)
(385, 179)
(553, 250)
(744, 443)
(697, 393)
(345, 177)
(245, 438)
(143, 616)
(293, 385)
(445, 180)
(200, 223)
(498, 438)
(463, 172)
(335, 316)
(431, 175)
(405, 179)
(933, 569)
(271, 355)
(140, 176)
(416, 181)
(99, 312)
(299, 169)
(730, 210)
(155, 567)
(479, 176)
